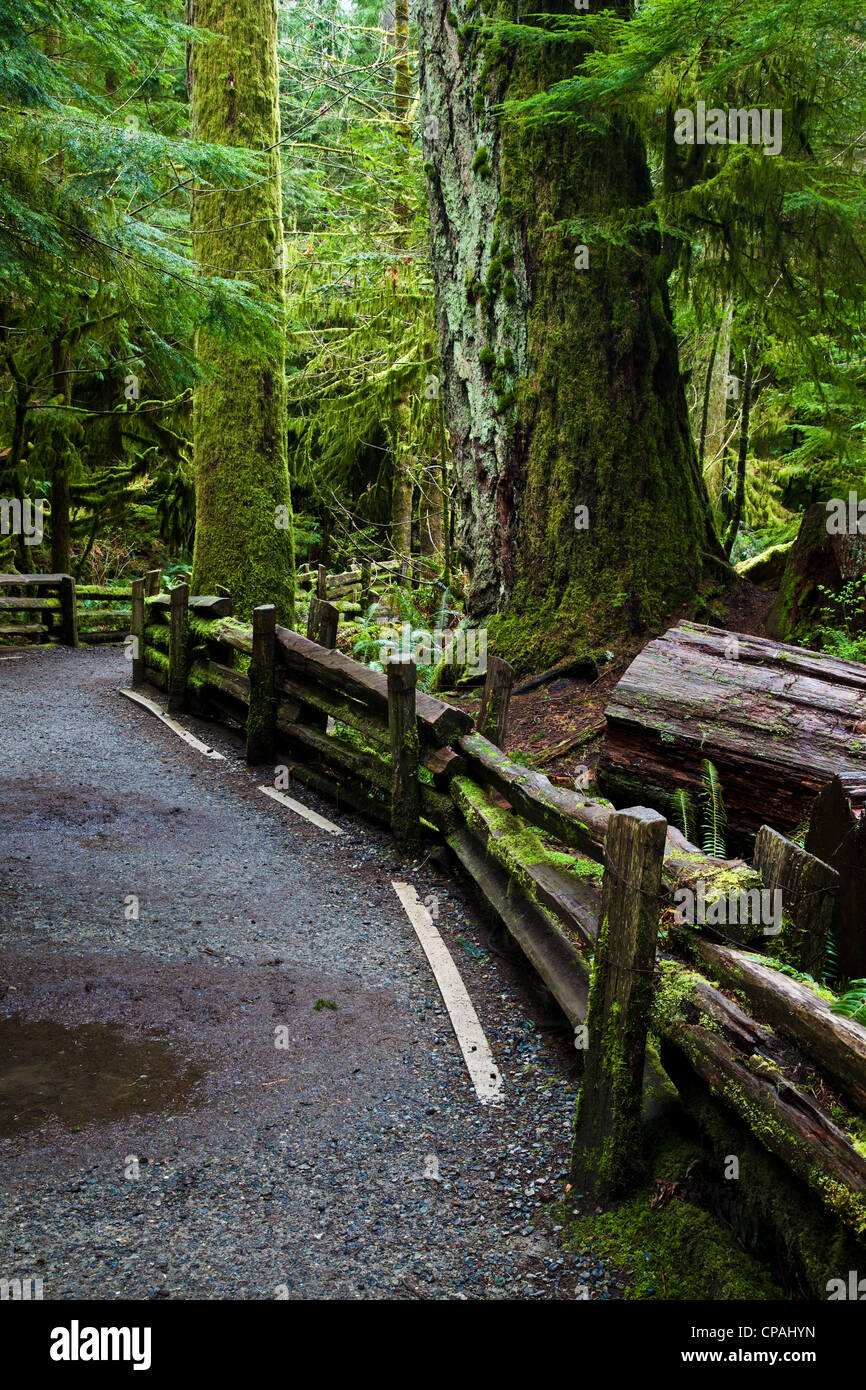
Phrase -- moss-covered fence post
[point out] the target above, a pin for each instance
(493, 716)
(403, 728)
(136, 630)
(152, 581)
(322, 622)
(178, 646)
(607, 1133)
(261, 719)
(68, 615)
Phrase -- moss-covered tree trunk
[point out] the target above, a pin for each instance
(561, 375)
(61, 501)
(243, 519)
(401, 422)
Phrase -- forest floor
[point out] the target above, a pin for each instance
(155, 1141)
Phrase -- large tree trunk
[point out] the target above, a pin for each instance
(401, 422)
(243, 530)
(562, 386)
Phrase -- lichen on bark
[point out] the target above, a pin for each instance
(561, 384)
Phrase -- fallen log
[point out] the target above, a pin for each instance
(777, 721)
(573, 666)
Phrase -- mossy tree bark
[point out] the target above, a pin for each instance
(561, 384)
(243, 539)
(401, 423)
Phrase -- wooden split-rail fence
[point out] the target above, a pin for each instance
(592, 895)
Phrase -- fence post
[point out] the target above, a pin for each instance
(322, 622)
(493, 716)
(152, 581)
(322, 583)
(136, 629)
(607, 1130)
(261, 720)
(364, 595)
(68, 615)
(178, 645)
(403, 728)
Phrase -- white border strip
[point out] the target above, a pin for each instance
(172, 724)
(483, 1071)
(300, 810)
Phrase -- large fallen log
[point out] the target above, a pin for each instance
(778, 722)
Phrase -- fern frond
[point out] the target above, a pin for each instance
(714, 815)
(683, 812)
(853, 1003)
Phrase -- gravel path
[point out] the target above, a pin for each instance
(201, 1159)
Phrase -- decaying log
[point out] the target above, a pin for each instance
(777, 721)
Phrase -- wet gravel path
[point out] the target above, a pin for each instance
(289, 1151)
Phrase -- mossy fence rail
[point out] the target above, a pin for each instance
(589, 893)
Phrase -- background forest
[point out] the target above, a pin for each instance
(103, 300)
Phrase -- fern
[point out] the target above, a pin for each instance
(830, 973)
(714, 817)
(683, 812)
(853, 1003)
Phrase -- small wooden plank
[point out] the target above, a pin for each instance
(38, 605)
(203, 605)
(323, 621)
(300, 810)
(608, 1136)
(483, 1071)
(23, 629)
(151, 705)
(32, 581)
(137, 630)
(556, 960)
(836, 1044)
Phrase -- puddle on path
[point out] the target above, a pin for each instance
(84, 1075)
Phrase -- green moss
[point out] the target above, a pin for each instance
(487, 357)
(679, 1252)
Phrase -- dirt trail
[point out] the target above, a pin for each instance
(156, 1142)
